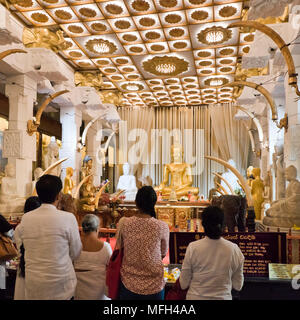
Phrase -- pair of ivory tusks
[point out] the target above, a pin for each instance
(49, 169)
(238, 175)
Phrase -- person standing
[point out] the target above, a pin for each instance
(6, 230)
(51, 241)
(19, 294)
(213, 265)
(145, 242)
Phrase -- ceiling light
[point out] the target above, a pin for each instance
(165, 68)
(101, 48)
(214, 36)
(216, 83)
(132, 87)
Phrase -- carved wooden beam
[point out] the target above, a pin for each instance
(32, 125)
(283, 47)
(9, 52)
(259, 88)
(242, 180)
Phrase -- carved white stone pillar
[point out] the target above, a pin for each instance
(292, 136)
(71, 119)
(93, 147)
(18, 146)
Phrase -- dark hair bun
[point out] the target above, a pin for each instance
(146, 199)
(213, 222)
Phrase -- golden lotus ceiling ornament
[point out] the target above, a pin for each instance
(173, 18)
(168, 3)
(135, 49)
(225, 90)
(216, 82)
(110, 70)
(140, 5)
(51, 1)
(75, 29)
(157, 47)
(199, 15)
(63, 15)
(113, 9)
(226, 51)
(227, 11)
(123, 24)
(226, 61)
(116, 78)
(128, 69)
(206, 71)
(197, 2)
(99, 27)
(214, 35)
(133, 77)
(152, 35)
(191, 86)
(129, 37)
(155, 82)
(24, 3)
(180, 45)
(39, 17)
(166, 66)
(226, 69)
(204, 54)
(246, 49)
(132, 86)
(102, 62)
(176, 32)
(87, 12)
(147, 22)
(205, 63)
(249, 38)
(75, 54)
(158, 88)
(189, 80)
(84, 64)
(122, 61)
(101, 46)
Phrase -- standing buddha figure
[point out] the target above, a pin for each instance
(257, 192)
(69, 183)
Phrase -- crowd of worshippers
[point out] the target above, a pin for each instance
(57, 262)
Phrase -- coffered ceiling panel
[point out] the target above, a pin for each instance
(157, 52)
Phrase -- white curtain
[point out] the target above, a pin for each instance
(196, 128)
(231, 135)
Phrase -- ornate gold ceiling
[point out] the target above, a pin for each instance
(157, 52)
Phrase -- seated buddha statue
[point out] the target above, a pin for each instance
(10, 201)
(285, 212)
(181, 176)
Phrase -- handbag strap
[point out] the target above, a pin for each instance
(119, 240)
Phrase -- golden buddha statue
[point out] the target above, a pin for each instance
(181, 176)
(257, 192)
(88, 190)
(69, 183)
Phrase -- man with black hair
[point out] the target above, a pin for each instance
(51, 241)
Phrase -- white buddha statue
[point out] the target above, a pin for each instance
(285, 212)
(231, 178)
(52, 156)
(10, 201)
(127, 182)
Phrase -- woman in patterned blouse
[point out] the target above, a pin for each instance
(145, 241)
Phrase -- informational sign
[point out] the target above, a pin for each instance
(259, 249)
(283, 271)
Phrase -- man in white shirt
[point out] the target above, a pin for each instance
(212, 266)
(51, 240)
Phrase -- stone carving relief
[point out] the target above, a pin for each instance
(12, 144)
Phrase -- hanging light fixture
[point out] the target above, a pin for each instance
(214, 35)
(101, 47)
(165, 68)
